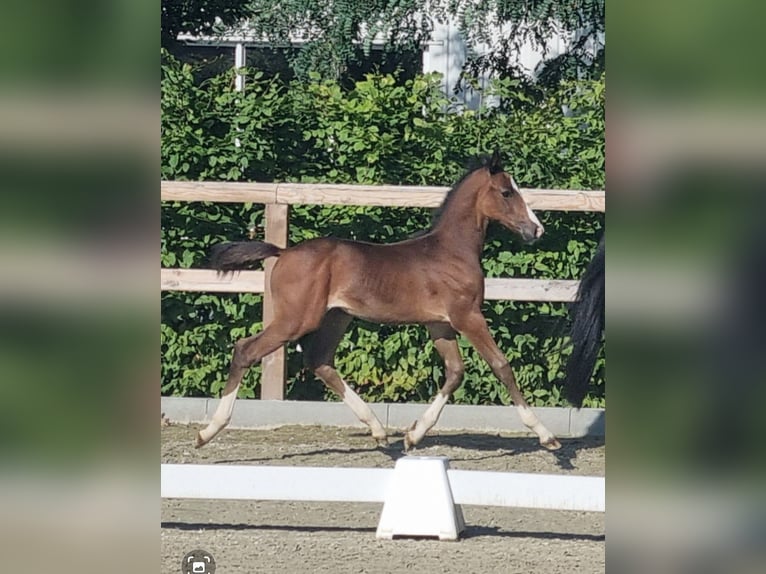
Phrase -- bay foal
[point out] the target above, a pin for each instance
(434, 279)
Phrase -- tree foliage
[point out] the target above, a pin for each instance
(198, 17)
(339, 32)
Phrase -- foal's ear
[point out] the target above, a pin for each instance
(495, 162)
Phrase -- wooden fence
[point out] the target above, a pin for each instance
(278, 197)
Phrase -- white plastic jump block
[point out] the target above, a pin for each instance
(418, 501)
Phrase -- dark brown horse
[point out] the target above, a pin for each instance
(434, 279)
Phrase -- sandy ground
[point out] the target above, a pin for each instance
(296, 537)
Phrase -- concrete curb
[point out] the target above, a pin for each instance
(563, 422)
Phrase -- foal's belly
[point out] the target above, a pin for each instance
(375, 310)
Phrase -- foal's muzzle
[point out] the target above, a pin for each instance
(531, 232)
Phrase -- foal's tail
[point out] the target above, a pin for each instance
(587, 314)
(241, 255)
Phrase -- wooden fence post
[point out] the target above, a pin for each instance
(273, 367)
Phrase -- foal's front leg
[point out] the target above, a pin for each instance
(474, 327)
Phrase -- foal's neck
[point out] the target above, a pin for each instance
(460, 223)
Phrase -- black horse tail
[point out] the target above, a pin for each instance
(226, 257)
(587, 314)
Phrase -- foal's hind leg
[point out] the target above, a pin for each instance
(319, 352)
(444, 340)
(474, 327)
(247, 352)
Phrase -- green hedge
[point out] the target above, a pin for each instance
(380, 131)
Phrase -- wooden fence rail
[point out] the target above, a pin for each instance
(495, 289)
(367, 195)
(279, 196)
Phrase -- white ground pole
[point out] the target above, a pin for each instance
(421, 495)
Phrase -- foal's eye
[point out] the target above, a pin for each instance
(506, 193)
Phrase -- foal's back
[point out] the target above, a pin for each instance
(412, 281)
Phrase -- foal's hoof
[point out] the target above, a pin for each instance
(551, 444)
(382, 442)
(200, 441)
(409, 442)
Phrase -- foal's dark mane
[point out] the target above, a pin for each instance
(492, 163)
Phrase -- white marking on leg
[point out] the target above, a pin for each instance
(531, 421)
(363, 411)
(428, 419)
(221, 417)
